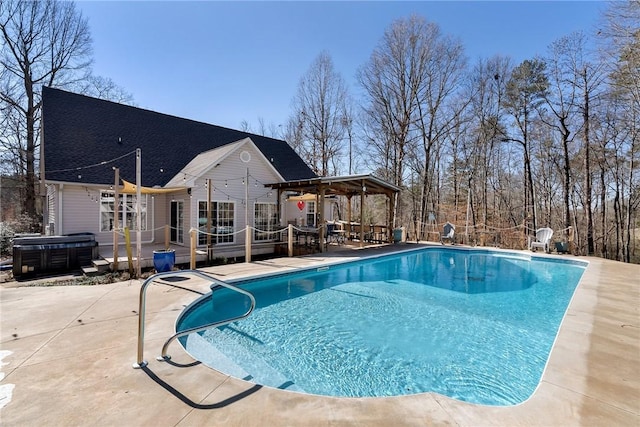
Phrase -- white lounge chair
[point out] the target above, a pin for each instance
(448, 233)
(542, 240)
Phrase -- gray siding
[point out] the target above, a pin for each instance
(81, 214)
(231, 171)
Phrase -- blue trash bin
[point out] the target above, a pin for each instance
(397, 235)
(164, 260)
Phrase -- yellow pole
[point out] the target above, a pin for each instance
(570, 238)
(192, 262)
(166, 237)
(127, 241)
(290, 239)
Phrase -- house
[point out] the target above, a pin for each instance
(184, 166)
(192, 175)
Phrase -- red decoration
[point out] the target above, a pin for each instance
(301, 205)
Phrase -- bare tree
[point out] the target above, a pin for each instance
(439, 107)
(478, 154)
(293, 134)
(104, 88)
(319, 108)
(348, 125)
(524, 95)
(561, 99)
(245, 126)
(43, 43)
(391, 80)
(407, 80)
(588, 80)
(620, 37)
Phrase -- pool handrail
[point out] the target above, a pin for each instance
(140, 363)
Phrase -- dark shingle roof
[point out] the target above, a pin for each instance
(80, 131)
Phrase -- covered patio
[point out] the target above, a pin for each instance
(349, 187)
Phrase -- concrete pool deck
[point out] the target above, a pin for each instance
(67, 353)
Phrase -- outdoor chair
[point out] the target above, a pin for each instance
(542, 240)
(448, 233)
(334, 234)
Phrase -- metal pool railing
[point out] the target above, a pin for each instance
(214, 283)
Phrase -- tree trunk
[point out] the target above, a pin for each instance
(587, 168)
(618, 222)
(603, 213)
(30, 190)
(627, 228)
(567, 174)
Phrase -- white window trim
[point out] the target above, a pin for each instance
(123, 213)
(272, 236)
(235, 220)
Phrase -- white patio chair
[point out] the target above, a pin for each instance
(542, 240)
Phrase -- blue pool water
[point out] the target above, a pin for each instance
(474, 325)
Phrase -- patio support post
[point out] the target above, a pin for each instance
(279, 205)
(390, 223)
(247, 244)
(208, 220)
(362, 215)
(349, 216)
(247, 239)
(116, 214)
(166, 237)
(290, 239)
(138, 212)
(321, 231)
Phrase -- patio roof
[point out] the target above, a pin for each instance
(350, 185)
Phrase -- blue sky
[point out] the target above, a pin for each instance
(225, 62)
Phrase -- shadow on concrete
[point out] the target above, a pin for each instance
(195, 405)
(168, 360)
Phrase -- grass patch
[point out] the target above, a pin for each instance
(103, 279)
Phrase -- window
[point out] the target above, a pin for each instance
(226, 211)
(176, 221)
(311, 213)
(126, 211)
(222, 222)
(202, 223)
(266, 219)
(107, 200)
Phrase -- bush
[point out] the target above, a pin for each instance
(8, 230)
(6, 238)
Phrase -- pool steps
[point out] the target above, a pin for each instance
(254, 368)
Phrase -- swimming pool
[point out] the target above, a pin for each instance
(475, 325)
